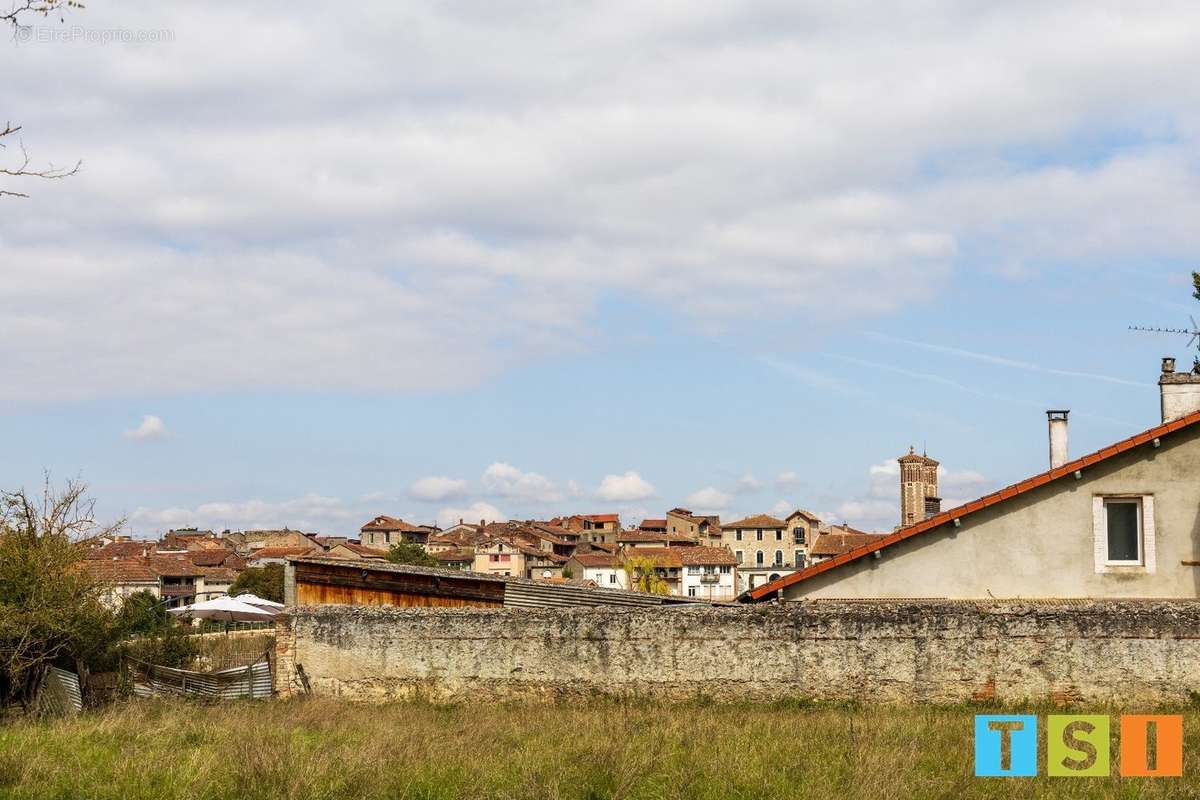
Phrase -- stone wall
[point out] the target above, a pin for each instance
(1131, 652)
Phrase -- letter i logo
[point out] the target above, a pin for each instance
(1005, 746)
(1151, 746)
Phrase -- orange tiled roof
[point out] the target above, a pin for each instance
(834, 544)
(121, 571)
(987, 501)
(386, 523)
(756, 521)
(659, 556)
(281, 552)
(719, 556)
(597, 560)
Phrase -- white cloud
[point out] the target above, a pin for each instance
(151, 427)
(437, 487)
(505, 480)
(471, 514)
(625, 488)
(311, 513)
(709, 499)
(747, 484)
(276, 235)
(782, 509)
(788, 480)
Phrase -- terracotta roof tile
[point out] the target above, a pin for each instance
(386, 523)
(720, 556)
(757, 521)
(598, 560)
(659, 556)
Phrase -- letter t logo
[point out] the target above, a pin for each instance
(1005, 746)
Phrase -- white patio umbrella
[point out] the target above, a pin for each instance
(224, 608)
(259, 602)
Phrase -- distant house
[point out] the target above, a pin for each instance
(763, 547)
(384, 531)
(352, 551)
(279, 555)
(836, 540)
(463, 558)
(709, 573)
(654, 525)
(191, 539)
(602, 568)
(1120, 522)
(665, 561)
(246, 541)
(642, 539)
(704, 529)
(123, 577)
(497, 556)
(595, 528)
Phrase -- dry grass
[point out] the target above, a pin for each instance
(324, 749)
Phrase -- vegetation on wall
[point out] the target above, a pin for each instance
(414, 554)
(265, 581)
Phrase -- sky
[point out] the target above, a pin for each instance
(446, 260)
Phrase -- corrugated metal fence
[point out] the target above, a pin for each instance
(60, 693)
(253, 681)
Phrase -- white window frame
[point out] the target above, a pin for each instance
(1146, 534)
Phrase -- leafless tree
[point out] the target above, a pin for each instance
(24, 169)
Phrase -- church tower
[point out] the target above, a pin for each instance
(918, 488)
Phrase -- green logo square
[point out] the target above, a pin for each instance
(1077, 745)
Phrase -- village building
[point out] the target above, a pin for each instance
(764, 549)
(279, 555)
(708, 573)
(246, 541)
(354, 551)
(836, 540)
(639, 539)
(459, 558)
(703, 529)
(654, 525)
(1121, 522)
(604, 569)
(384, 531)
(665, 562)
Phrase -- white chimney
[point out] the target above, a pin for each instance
(1058, 437)
(1179, 392)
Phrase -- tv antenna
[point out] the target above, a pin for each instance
(1193, 332)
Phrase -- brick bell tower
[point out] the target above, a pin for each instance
(918, 488)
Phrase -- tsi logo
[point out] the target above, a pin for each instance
(1078, 745)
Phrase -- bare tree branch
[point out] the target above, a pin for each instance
(12, 17)
(23, 170)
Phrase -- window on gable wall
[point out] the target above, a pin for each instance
(1123, 529)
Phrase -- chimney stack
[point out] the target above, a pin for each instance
(1179, 392)
(1058, 437)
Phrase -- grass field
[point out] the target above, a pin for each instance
(324, 749)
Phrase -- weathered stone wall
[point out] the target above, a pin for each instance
(1132, 652)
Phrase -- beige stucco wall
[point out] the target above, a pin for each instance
(1130, 652)
(1040, 544)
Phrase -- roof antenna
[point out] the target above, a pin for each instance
(1193, 334)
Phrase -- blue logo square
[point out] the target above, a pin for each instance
(1005, 746)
